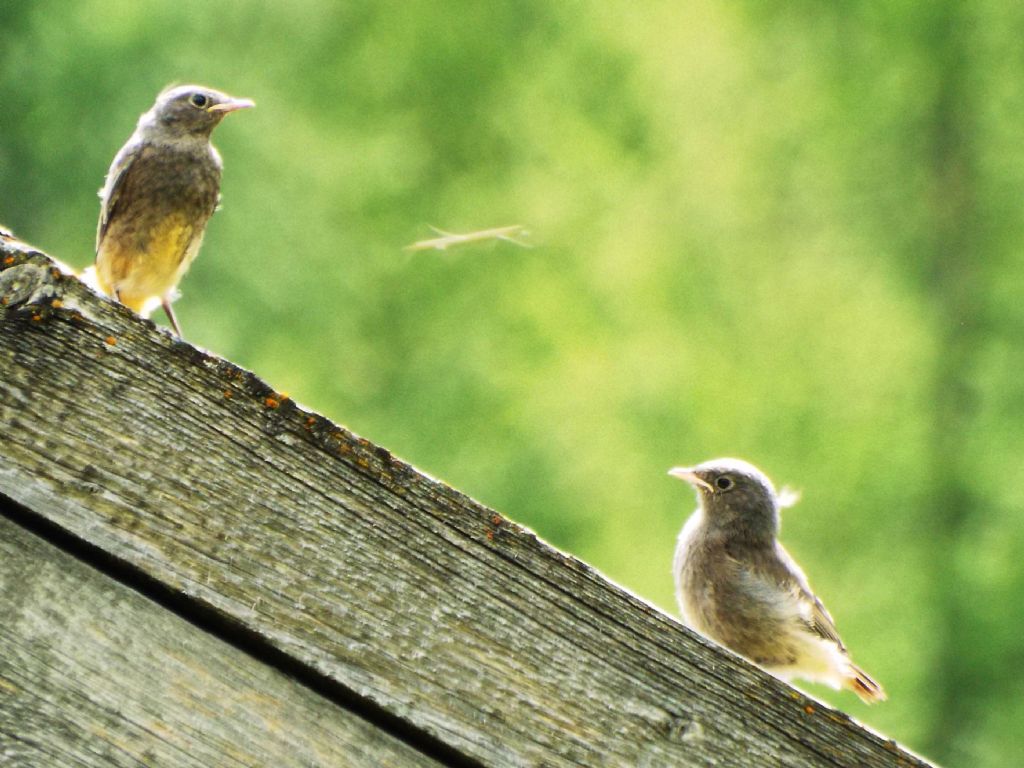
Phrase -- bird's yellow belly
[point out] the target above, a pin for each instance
(140, 268)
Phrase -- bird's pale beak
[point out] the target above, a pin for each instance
(691, 476)
(232, 105)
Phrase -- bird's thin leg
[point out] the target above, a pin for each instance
(170, 316)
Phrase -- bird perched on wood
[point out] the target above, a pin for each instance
(160, 192)
(737, 585)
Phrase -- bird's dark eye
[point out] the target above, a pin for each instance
(724, 483)
(199, 100)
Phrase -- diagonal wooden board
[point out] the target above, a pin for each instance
(420, 602)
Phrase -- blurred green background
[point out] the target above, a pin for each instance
(789, 232)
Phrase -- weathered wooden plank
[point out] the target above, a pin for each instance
(94, 674)
(391, 584)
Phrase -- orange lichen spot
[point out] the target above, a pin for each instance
(3, 300)
(9, 260)
(272, 402)
(496, 520)
(282, 395)
(56, 303)
(110, 340)
(362, 462)
(345, 448)
(490, 535)
(809, 709)
(310, 421)
(227, 394)
(36, 318)
(55, 273)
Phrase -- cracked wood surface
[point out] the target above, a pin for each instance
(395, 587)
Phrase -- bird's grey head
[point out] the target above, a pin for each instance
(188, 111)
(735, 497)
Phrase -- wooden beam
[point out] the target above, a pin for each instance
(421, 603)
(94, 674)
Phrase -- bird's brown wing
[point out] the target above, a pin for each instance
(819, 621)
(114, 185)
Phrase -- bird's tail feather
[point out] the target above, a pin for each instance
(861, 683)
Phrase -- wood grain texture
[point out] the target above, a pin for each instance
(397, 587)
(93, 674)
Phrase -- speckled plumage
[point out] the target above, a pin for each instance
(160, 192)
(736, 584)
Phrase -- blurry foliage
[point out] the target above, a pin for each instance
(786, 232)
